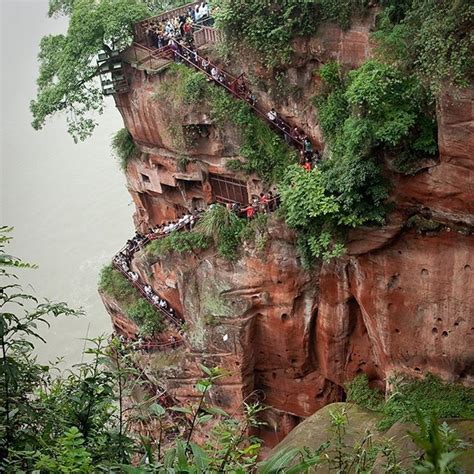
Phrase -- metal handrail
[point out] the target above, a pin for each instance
(233, 92)
(140, 287)
(170, 13)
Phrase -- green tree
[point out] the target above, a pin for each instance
(432, 39)
(67, 73)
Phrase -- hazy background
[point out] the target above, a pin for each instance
(68, 203)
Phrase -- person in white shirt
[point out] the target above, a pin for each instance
(215, 73)
(197, 13)
(203, 11)
(272, 115)
(169, 28)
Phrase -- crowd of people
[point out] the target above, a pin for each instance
(263, 204)
(177, 33)
(162, 32)
(186, 221)
(122, 261)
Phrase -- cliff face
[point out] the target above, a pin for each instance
(401, 300)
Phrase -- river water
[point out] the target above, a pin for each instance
(68, 203)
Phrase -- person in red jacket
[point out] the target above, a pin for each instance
(250, 211)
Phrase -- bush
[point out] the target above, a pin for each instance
(429, 395)
(331, 75)
(311, 210)
(358, 391)
(375, 109)
(179, 242)
(182, 85)
(115, 285)
(409, 397)
(225, 228)
(194, 88)
(146, 317)
(229, 240)
(123, 147)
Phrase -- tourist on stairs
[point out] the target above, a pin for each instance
(272, 115)
(308, 147)
(215, 73)
(249, 211)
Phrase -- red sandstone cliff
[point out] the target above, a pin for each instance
(401, 300)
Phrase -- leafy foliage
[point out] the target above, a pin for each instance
(124, 147)
(440, 444)
(224, 227)
(432, 39)
(69, 455)
(181, 88)
(269, 27)
(182, 85)
(66, 81)
(58, 423)
(158, 6)
(179, 242)
(265, 153)
(114, 284)
(375, 109)
(438, 398)
(359, 391)
(146, 316)
(310, 209)
(117, 286)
